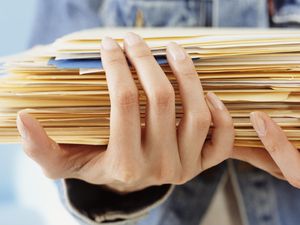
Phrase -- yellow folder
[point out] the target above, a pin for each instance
(248, 69)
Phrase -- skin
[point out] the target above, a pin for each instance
(157, 154)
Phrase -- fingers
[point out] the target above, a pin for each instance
(55, 161)
(193, 127)
(125, 115)
(222, 137)
(160, 118)
(285, 155)
(259, 158)
(160, 130)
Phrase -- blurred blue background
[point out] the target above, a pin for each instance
(26, 196)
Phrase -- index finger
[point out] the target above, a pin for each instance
(125, 129)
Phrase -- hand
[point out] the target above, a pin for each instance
(280, 158)
(137, 157)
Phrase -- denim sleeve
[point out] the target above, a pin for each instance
(96, 204)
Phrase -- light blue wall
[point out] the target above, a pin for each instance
(16, 17)
(26, 196)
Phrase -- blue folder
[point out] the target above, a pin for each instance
(89, 63)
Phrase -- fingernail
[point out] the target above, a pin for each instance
(22, 127)
(215, 101)
(176, 52)
(109, 44)
(258, 124)
(132, 39)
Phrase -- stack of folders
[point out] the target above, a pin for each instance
(63, 85)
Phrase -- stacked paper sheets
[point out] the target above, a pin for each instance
(63, 84)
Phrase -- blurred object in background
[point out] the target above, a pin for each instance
(26, 196)
(16, 19)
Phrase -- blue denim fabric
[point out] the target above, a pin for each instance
(123, 12)
(258, 195)
(287, 13)
(188, 203)
(266, 200)
(237, 13)
(57, 18)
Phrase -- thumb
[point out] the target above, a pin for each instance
(37, 145)
(57, 161)
(35, 140)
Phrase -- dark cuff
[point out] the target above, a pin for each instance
(96, 203)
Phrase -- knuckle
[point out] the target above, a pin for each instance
(114, 58)
(163, 97)
(275, 141)
(273, 146)
(127, 97)
(114, 62)
(199, 119)
(142, 55)
(227, 122)
(189, 74)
